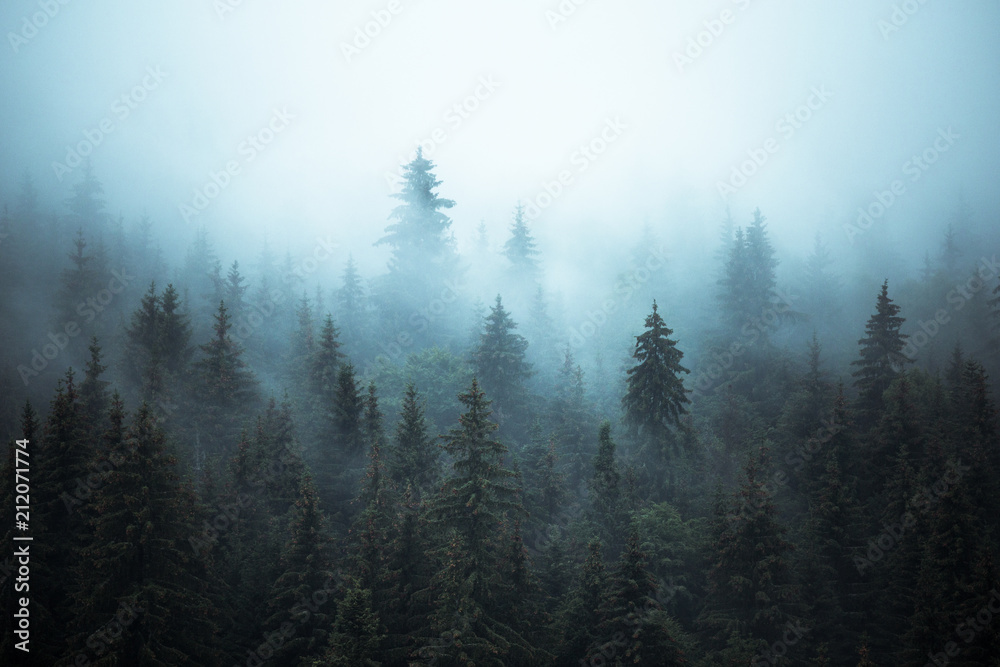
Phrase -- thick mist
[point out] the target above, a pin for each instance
(704, 260)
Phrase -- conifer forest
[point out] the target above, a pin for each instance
(397, 333)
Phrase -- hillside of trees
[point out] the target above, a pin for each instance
(240, 462)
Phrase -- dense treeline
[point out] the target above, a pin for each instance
(233, 466)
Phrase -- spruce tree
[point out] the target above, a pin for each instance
(607, 505)
(471, 510)
(414, 459)
(326, 361)
(882, 356)
(633, 622)
(87, 203)
(750, 587)
(302, 593)
(655, 396)
(580, 616)
(500, 364)
(520, 249)
(226, 381)
(136, 567)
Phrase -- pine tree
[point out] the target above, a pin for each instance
(226, 381)
(234, 292)
(821, 288)
(357, 632)
(833, 533)
(580, 616)
(950, 251)
(570, 420)
(639, 630)
(606, 502)
(882, 356)
(414, 460)
(420, 230)
(424, 258)
(87, 203)
(301, 594)
(135, 569)
(93, 390)
(351, 301)
(500, 365)
(80, 282)
(326, 362)
(520, 249)
(748, 284)
(174, 332)
(750, 588)
(655, 398)
(348, 410)
(471, 509)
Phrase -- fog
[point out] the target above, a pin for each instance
(638, 137)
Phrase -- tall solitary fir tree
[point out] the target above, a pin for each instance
(882, 357)
(655, 397)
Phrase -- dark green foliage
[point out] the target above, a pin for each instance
(655, 397)
(414, 458)
(750, 590)
(500, 364)
(882, 356)
(137, 567)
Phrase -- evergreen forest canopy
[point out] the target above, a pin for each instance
(446, 462)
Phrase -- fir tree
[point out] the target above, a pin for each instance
(326, 362)
(580, 616)
(500, 363)
(520, 249)
(135, 568)
(87, 203)
(606, 492)
(226, 381)
(882, 356)
(750, 589)
(414, 459)
(640, 632)
(655, 398)
(301, 594)
(471, 509)
(348, 410)
(93, 390)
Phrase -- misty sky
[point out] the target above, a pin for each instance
(548, 82)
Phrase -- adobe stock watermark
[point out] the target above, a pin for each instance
(899, 17)
(622, 293)
(794, 631)
(922, 501)
(914, 168)
(787, 125)
(30, 25)
(751, 331)
(259, 311)
(454, 117)
(563, 11)
(697, 44)
(301, 611)
(961, 294)
(967, 631)
(585, 155)
(88, 310)
(248, 150)
(121, 109)
(225, 7)
(420, 320)
(363, 35)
